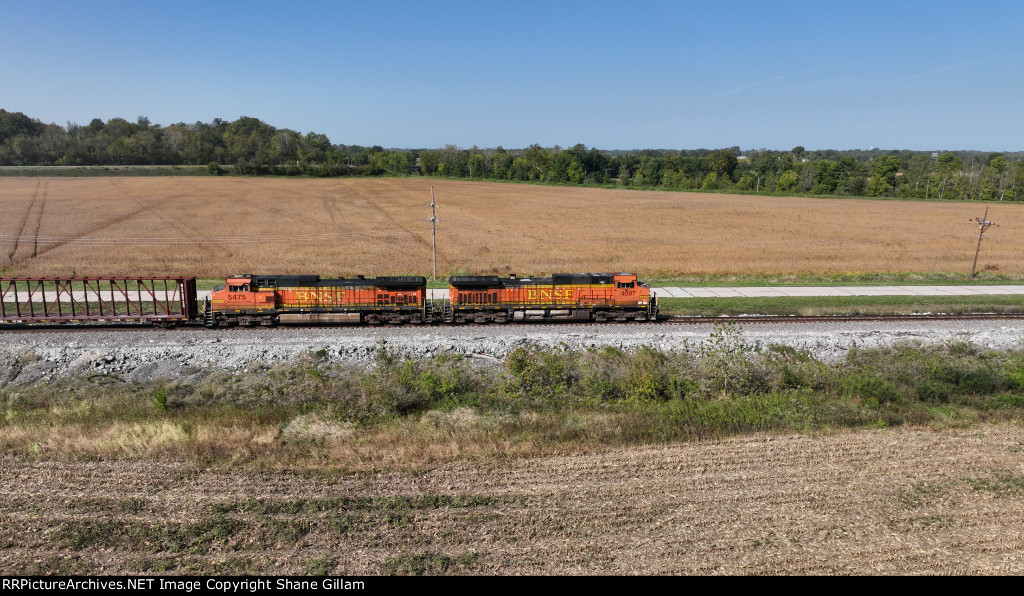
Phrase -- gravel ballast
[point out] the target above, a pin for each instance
(184, 354)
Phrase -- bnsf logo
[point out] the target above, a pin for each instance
(318, 296)
(549, 294)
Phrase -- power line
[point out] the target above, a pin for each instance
(167, 240)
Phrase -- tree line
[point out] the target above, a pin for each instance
(253, 147)
(912, 174)
(250, 145)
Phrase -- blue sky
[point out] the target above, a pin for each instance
(614, 75)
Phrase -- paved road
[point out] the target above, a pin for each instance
(760, 292)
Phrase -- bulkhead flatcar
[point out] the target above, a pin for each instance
(568, 296)
(307, 299)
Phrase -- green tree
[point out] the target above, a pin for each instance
(883, 175)
(396, 163)
(787, 181)
(451, 161)
(539, 161)
(576, 172)
(520, 170)
(994, 179)
(475, 164)
(723, 163)
(917, 173)
(429, 161)
(827, 177)
(947, 167)
(501, 164)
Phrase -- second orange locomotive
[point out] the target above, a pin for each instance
(573, 296)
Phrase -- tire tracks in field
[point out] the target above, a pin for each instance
(128, 216)
(25, 224)
(371, 203)
(104, 226)
(330, 206)
(39, 221)
(201, 242)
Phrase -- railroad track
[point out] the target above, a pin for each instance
(677, 320)
(839, 318)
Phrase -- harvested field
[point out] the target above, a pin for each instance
(871, 502)
(211, 227)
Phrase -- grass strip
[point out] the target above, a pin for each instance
(838, 279)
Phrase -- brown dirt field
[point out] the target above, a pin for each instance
(870, 502)
(211, 227)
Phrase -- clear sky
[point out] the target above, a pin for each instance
(613, 75)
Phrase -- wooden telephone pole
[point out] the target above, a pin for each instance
(983, 224)
(433, 227)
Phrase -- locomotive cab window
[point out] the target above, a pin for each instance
(241, 288)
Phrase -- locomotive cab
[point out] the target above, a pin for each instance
(631, 292)
(629, 289)
(241, 296)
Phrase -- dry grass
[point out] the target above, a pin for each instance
(212, 227)
(304, 441)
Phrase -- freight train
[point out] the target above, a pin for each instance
(269, 300)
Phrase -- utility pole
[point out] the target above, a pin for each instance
(433, 227)
(983, 224)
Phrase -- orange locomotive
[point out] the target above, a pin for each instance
(306, 299)
(567, 296)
